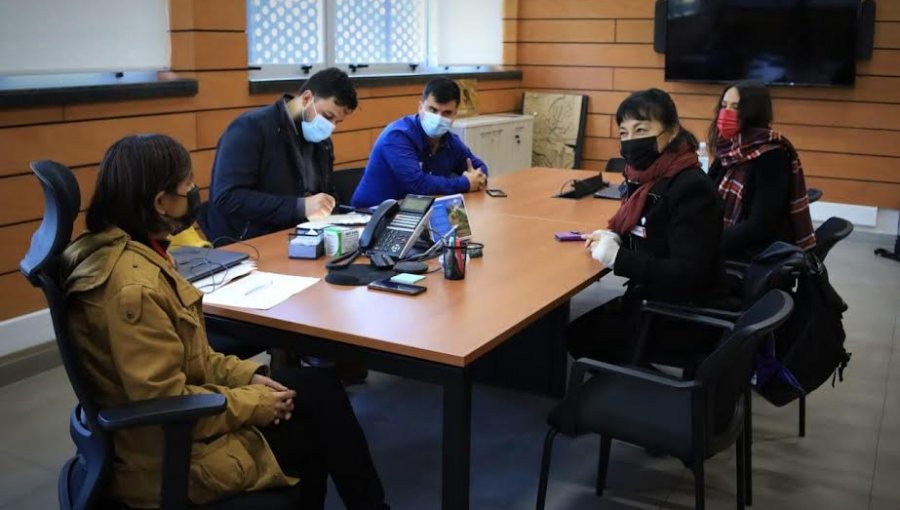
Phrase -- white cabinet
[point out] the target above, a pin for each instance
(502, 141)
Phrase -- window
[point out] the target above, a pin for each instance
(288, 38)
(285, 32)
(62, 36)
(379, 32)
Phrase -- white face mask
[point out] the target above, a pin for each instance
(317, 129)
(435, 125)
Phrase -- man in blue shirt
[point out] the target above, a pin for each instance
(417, 154)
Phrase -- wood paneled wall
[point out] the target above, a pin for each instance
(849, 139)
(209, 44)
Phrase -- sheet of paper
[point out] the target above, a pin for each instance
(259, 290)
(337, 219)
(216, 281)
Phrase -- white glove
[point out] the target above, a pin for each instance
(606, 250)
(594, 237)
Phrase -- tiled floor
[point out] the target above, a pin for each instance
(849, 460)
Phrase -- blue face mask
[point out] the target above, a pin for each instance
(318, 129)
(435, 126)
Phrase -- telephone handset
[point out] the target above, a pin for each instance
(395, 226)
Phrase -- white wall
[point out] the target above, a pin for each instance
(466, 32)
(43, 36)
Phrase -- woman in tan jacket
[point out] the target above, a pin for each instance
(139, 327)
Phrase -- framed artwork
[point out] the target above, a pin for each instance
(559, 121)
(468, 105)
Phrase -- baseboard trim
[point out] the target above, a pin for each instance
(25, 331)
(28, 362)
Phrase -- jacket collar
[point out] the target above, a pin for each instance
(288, 122)
(89, 262)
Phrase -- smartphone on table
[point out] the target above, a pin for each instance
(496, 193)
(572, 235)
(387, 285)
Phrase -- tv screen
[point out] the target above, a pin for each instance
(781, 42)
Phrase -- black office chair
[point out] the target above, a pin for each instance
(829, 234)
(813, 194)
(83, 477)
(615, 165)
(691, 420)
(345, 183)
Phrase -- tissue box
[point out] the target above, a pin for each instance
(340, 240)
(306, 244)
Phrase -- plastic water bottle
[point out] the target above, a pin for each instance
(703, 156)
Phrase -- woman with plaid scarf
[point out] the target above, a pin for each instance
(758, 174)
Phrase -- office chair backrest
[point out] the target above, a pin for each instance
(726, 371)
(345, 183)
(615, 165)
(62, 202)
(829, 233)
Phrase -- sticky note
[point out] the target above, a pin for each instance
(407, 278)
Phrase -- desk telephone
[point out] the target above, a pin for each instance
(396, 226)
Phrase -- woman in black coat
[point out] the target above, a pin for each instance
(758, 175)
(664, 238)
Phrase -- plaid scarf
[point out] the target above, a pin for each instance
(668, 164)
(733, 154)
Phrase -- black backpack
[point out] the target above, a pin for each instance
(809, 348)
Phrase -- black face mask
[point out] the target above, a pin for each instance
(185, 222)
(640, 153)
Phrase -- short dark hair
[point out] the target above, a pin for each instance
(332, 83)
(754, 107)
(656, 104)
(134, 170)
(444, 90)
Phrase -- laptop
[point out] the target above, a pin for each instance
(194, 263)
(612, 192)
(448, 212)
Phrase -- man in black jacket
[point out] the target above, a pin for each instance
(273, 165)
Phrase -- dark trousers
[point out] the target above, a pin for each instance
(323, 438)
(609, 333)
(230, 345)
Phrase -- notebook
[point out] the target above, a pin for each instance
(194, 263)
(446, 213)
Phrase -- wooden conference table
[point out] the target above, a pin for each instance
(521, 287)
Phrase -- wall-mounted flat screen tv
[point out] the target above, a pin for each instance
(781, 42)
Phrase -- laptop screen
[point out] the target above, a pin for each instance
(447, 212)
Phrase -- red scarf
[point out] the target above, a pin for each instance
(160, 248)
(748, 145)
(667, 165)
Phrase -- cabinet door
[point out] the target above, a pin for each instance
(489, 147)
(520, 154)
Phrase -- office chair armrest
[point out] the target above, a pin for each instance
(584, 366)
(161, 411)
(715, 313)
(690, 314)
(737, 265)
(177, 416)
